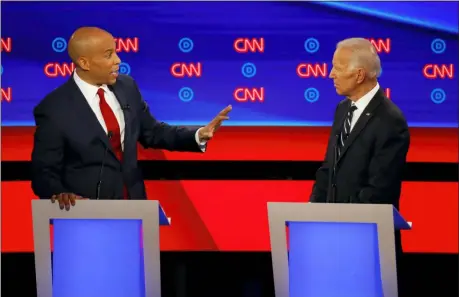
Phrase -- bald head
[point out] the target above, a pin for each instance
(93, 52)
(84, 41)
(362, 55)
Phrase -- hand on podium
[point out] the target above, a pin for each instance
(66, 199)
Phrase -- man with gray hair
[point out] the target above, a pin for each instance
(369, 141)
(369, 138)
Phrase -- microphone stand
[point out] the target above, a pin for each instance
(99, 183)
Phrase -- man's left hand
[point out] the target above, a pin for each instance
(207, 132)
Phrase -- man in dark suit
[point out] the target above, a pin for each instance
(369, 138)
(97, 117)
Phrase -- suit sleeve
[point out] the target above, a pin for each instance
(47, 156)
(159, 135)
(386, 166)
(320, 188)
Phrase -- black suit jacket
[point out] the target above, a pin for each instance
(69, 144)
(370, 167)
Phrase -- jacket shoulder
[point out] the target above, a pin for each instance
(53, 100)
(125, 81)
(391, 113)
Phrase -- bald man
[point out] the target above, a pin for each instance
(95, 121)
(369, 138)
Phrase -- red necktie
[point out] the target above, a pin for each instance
(112, 125)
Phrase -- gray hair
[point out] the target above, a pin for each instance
(363, 55)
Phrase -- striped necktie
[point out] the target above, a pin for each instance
(346, 128)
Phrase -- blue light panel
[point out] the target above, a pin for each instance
(334, 260)
(98, 258)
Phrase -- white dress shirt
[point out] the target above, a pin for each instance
(90, 94)
(362, 103)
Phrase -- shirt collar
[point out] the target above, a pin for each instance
(362, 103)
(89, 91)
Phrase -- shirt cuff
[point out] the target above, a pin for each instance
(202, 144)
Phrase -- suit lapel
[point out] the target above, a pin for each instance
(342, 117)
(83, 110)
(122, 99)
(363, 120)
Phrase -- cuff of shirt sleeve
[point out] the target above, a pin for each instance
(202, 144)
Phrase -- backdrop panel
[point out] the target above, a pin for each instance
(269, 59)
(203, 214)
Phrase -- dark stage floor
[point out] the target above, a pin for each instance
(224, 274)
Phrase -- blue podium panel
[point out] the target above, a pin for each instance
(334, 260)
(98, 257)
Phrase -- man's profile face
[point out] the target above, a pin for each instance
(101, 61)
(344, 78)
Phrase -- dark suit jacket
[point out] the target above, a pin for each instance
(370, 167)
(69, 144)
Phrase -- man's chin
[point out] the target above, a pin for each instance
(112, 81)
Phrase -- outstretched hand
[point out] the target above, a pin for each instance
(207, 132)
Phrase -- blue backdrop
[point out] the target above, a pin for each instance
(420, 33)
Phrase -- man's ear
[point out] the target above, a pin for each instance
(83, 63)
(361, 74)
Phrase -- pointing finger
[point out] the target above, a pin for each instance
(226, 110)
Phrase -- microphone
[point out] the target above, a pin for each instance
(335, 159)
(125, 107)
(99, 183)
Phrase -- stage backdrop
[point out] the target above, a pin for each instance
(232, 215)
(269, 59)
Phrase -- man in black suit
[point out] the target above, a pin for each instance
(369, 138)
(369, 141)
(97, 117)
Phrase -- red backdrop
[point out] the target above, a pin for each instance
(262, 143)
(232, 215)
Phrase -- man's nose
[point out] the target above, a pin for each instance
(117, 59)
(332, 74)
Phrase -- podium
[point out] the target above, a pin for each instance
(334, 250)
(101, 248)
